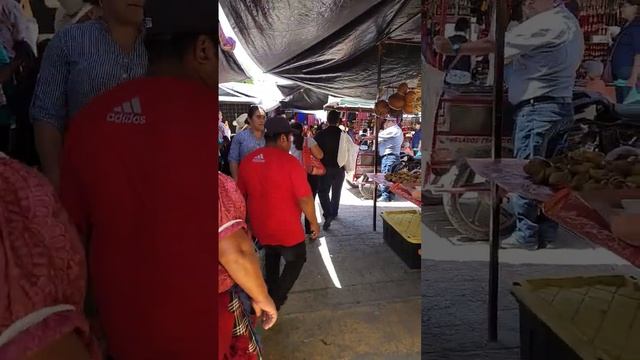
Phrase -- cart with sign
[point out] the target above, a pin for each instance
(461, 128)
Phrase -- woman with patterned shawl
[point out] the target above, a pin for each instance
(238, 266)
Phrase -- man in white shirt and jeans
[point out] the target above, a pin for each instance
(543, 53)
(389, 146)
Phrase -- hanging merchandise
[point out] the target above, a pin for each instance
(597, 18)
(311, 120)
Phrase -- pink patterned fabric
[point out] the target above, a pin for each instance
(42, 262)
(231, 218)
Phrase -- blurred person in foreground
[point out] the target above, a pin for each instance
(137, 185)
(43, 272)
(543, 53)
(275, 186)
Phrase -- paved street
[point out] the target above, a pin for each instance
(455, 288)
(368, 309)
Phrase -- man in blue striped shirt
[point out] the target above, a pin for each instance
(80, 62)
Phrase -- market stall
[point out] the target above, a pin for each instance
(492, 176)
(462, 116)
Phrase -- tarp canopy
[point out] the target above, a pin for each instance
(331, 45)
(226, 94)
(302, 98)
(229, 69)
(349, 104)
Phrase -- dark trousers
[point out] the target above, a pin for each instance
(331, 182)
(313, 183)
(279, 284)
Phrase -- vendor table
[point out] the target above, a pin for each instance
(563, 207)
(397, 189)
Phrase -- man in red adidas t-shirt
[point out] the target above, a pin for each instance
(139, 180)
(277, 192)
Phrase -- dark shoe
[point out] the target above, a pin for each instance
(514, 242)
(327, 224)
(384, 199)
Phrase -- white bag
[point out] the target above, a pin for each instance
(353, 158)
(344, 149)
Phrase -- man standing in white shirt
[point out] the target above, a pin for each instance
(543, 53)
(389, 144)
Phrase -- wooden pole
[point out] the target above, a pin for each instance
(376, 129)
(496, 154)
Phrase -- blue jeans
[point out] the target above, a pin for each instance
(538, 132)
(387, 163)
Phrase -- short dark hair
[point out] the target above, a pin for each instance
(333, 118)
(253, 109)
(273, 138)
(462, 24)
(172, 47)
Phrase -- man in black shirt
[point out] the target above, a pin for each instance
(329, 141)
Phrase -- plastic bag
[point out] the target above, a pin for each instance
(310, 162)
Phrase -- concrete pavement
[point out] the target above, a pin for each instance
(355, 299)
(455, 277)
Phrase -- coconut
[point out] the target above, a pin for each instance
(403, 89)
(396, 101)
(382, 108)
(411, 96)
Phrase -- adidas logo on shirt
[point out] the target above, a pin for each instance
(130, 112)
(259, 158)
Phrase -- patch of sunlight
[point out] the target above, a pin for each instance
(326, 258)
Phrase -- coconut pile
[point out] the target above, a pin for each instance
(402, 101)
(585, 170)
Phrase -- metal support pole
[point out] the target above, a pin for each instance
(496, 201)
(376, 130)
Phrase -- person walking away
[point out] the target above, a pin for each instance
(459, 67)
(150, 232)
(625, 57)
(43, 272)
(544, 52)
(328, 140)
(238, 264)
(274, 182)
(81, 62)
(389, 147)
(297, 147)
(247, 140)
